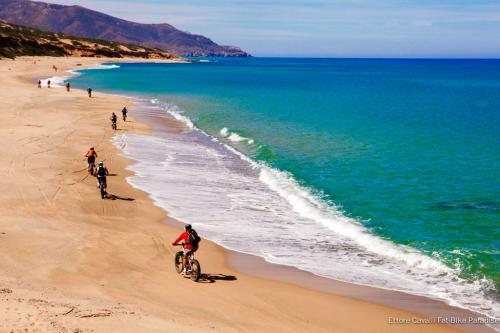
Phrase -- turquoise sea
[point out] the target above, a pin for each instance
(378, 172)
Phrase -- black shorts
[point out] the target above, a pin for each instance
(189, 251)
(91, 159)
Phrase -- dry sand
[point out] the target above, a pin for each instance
(71, 262)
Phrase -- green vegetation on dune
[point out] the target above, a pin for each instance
(18, 41)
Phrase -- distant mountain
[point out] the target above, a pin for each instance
(83, 22)
(18, 41)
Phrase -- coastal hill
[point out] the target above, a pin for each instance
(23, 41)
(83, 22)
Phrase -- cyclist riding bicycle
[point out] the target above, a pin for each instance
(91, 156)
(102, 172)
(191, 241)
(113, 118)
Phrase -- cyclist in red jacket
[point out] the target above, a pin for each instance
(191, 239)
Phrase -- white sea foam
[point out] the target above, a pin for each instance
(56, 81)
(224, 132)
(174, 111)
(102, 66)
(253, 208)
(234, 137)
(177, 115)
(59, 81)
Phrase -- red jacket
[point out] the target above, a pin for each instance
(184, 236)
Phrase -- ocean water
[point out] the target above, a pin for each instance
(377, 172)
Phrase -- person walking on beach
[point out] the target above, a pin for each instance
(191, 241)
(68, 86)
(89, 91)
(91, 155)
(39, 83)
(48, 84)
(124, 113)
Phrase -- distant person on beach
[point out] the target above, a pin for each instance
(39, 83)
(124, 113)
(48, 84)
(113, 118)
(191, 241)
(89, 90)
(54, 67)
(68, 86)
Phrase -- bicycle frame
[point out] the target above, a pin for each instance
(189, 258)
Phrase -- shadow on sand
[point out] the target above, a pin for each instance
(117, 197)
(212, 278)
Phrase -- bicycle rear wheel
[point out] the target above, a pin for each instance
(195, 270)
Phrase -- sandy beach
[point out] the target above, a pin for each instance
(72, 262)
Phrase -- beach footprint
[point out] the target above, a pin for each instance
(19, 315)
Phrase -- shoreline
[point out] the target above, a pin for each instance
(257, 266)
(116, 254)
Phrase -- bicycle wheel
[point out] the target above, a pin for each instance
(195, 270)
(102, 188)
(178, 262)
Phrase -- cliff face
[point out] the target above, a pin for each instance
(83, 22)
(23, 41)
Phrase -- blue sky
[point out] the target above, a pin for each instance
(328, 28)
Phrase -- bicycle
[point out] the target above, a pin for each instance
(102, 187)
(91, 168)
(193, 268)
(124, 117)
(113, 125)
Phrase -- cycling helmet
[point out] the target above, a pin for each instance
(91, 148)
(187, 227)
(101, 163)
